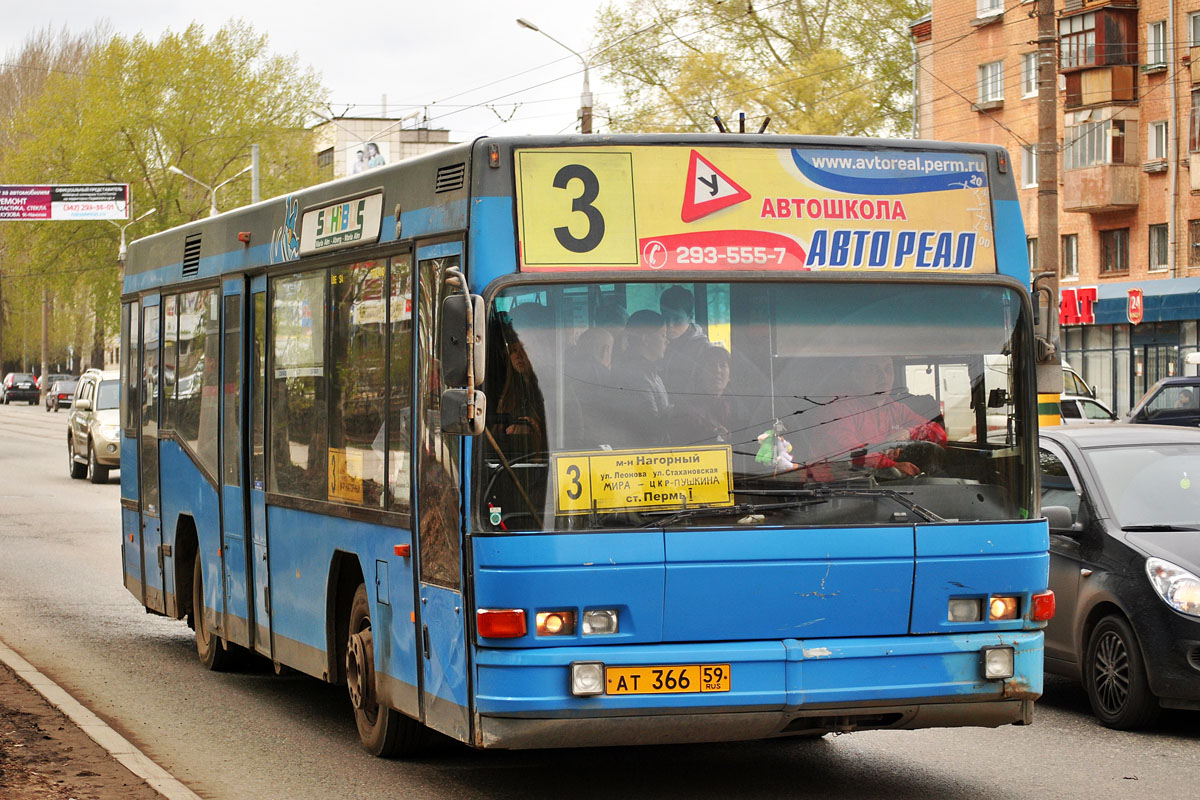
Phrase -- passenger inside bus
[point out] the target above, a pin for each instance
(637, 378)
(705, 414)
(873, 427)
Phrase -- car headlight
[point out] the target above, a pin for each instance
(1177, 587)
(110, 431)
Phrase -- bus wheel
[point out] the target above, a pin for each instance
(384, 732)
(209, 646)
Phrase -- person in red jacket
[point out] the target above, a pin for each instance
(872, 426)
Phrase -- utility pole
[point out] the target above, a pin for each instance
(45, 344)
(1049, 362)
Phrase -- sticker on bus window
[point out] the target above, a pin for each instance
(622, 480)
(345, 475)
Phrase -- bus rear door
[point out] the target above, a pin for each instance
(233, 509)
(260, 565)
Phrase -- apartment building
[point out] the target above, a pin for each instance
(349, 145)
(1128, 148)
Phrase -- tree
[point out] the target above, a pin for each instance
(837, 67)
(137, 107)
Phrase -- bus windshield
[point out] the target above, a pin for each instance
(709, 404)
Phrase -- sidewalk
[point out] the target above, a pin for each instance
(44, 755)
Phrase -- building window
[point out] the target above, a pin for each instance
(1031, 246)
(1029, 74)
(1114, 250)
(1194, 29)
(1029, 174)
(1158, 247)
(988, 8)
(1070, 255)
(1092, 143)
(991, 82)
(1156, 144)
(325, 159)
(1156, 44)
(1077, 40)
(1194, 243)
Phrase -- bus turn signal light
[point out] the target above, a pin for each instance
(500, 623)
(555, 623)
(1043, 606)
(1000, 608)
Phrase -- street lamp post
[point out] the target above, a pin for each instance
(122, 251)
(585, 97)
(212, 190)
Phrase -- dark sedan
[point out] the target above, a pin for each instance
(1124, 508)
(61, 394)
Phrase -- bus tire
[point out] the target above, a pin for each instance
(209, 646)
(383, 731)
(1115, 677)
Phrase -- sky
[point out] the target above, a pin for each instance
(466, 64)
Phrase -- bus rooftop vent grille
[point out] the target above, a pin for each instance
(449, 178)
(191, 255)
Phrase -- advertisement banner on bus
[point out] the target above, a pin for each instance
(844, 210)
(65, 202)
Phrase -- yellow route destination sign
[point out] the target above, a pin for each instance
(618, 480)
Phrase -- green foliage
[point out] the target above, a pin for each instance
(130, 109)
(835, 67)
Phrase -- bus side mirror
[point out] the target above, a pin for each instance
(462, 340)
(463, 411)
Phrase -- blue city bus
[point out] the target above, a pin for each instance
(576, 441)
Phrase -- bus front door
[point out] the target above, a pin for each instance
(153, 594)
(237, 619)
(260, 565)
(445, 704)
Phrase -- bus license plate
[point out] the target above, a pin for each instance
(673, 679)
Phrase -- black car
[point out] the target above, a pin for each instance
(1171, 401)
(1124, 508)
(19, 386)
(61, 393)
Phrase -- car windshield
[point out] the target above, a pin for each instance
(1152, 484)
(109, 395)
(707, 403)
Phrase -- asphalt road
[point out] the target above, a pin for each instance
(255, 735)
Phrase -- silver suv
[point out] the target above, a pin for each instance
(94, 426)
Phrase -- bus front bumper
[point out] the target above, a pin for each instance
(782, 688)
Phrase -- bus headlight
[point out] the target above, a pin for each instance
(587, 678)
(998, 663)
(599, 621)
(1177, 587)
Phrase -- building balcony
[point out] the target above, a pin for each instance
(1100, 189)
(1104, 85)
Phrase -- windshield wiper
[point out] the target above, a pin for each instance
(674, 515)
(1159, 528)
(825, 493)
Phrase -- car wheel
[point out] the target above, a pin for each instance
(74, 468)
(383, 731)
(95, 472)
(1115, 677)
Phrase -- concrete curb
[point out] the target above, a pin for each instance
(117, 745)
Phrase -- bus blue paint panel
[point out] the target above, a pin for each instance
(618, 570)
(493, 240)
(1012, 253)
(446, 695)
(977, 561)
(234, 559)
(822, 671)
(190, 494)
(535, 681)
(775, 584)
(131, 558)
(301, 545)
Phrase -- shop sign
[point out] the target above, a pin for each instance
(1077, 306)
(1135, 307)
